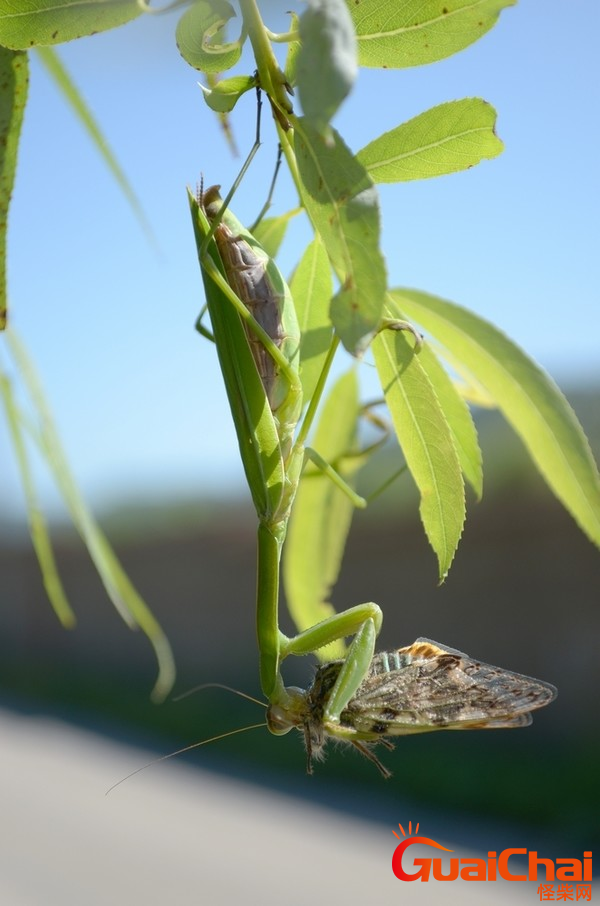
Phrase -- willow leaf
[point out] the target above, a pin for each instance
(14, 78)
(343, 205)
(527, 396)
(321, 517)
(119, 588)
(458, 416)
(29, 23)
(38, 529)
(426, 440)
(200, 36)
(311, 288)
(414, 32)
(446, 139)
(326, 64)
(270, 231)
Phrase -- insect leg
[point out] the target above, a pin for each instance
(368, 753)
(328, 470)
(243, 170)
(202, 330)
(269, 200)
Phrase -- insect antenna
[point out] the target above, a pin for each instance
(219, 686)
(194, 745)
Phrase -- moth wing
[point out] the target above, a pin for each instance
(520, 720)
(442, 689)
(422, 641)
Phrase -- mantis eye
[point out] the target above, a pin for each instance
(279, 720)
(284, 716)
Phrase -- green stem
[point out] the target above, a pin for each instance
(286, 142)
(272, 80)
(270, 542)
(283, 37)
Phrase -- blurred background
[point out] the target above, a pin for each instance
(108, 318)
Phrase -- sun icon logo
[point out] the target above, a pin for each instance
(400, 849)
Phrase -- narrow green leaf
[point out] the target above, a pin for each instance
(426, 441)
(471, 390)
(326, 65)
(37, 524)
(200, 36)
(27, 23)
(446, 139)
(528, 398)
(457, 415)
(121, 592)
(397, 35)
(212, 79)
(14, 79)
(321, 517)
(270, 232)
(343, 206)
(56, 69)
(225, 94)
(311, 289)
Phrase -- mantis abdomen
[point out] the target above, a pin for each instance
(247, 270)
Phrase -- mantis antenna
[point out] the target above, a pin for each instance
(194, 745)
(203, 742)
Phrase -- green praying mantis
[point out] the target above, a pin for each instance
(257, 338)
(363, 697)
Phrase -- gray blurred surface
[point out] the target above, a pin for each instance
(175, 834)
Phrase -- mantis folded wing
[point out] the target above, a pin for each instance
(257, 339)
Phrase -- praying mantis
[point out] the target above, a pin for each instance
(257, 339)
(363, 697)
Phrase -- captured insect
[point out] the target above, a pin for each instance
(417, 689)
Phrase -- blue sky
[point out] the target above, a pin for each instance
(109, 319)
